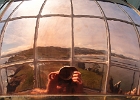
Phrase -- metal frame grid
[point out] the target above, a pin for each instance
(72, 16)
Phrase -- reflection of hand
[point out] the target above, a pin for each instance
(52, 83)
(51, 86)
(77, 79)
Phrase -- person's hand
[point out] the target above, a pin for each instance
(52, 83)
(79, 84)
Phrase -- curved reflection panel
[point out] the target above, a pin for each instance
(90, 39)
(94, 84)
(57, 7)
(127, 37)
(18, 40)
(124, 59)
(85, 5)
(113, 11)
(135, 17)
(121, 83)
(28, 8)
(54, 38)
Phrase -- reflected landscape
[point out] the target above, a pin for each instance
(124, 33)
(17, 78)
(56, 48)
(14, 69)
(14, 75)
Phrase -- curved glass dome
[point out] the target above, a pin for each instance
(101, 38)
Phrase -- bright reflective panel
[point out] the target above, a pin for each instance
(54, 38)
(124, 40)
(113, 11)
(93, 76)
(85, 5)
(90, 39)
(121, 83)
(59, 40)
(10, 9)
(57, 7)
(17, 39)
(28, 8)
(124, 59)
(132, 14)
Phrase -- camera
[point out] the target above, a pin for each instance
(66, 72)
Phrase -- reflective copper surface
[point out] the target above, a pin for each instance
(98, 37)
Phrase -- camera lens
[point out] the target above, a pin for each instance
(66, 72)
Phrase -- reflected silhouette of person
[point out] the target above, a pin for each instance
(111, 84)
(56, 85)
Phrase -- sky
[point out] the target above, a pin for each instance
(56, 31)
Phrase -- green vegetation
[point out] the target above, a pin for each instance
(90, 79)
(28, 82)
(47, 68)
(22, 80)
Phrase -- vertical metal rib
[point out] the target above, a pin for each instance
(102, 79)
(6, 76)
(36, 69)
(1, 83)
(3, 31)
(72, 34)
(137, 33)
(132, 82)
(108, 46)
(138, 83)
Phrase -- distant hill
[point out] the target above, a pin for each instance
(21, 80)
(85, 51)
(51, 52)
